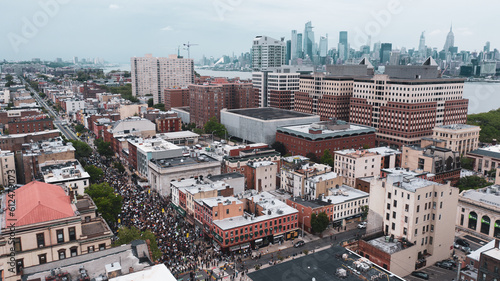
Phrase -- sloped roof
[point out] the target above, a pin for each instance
(40, 202)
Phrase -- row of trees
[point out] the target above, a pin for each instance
(125, 91)
(489, 123)
(326, 158)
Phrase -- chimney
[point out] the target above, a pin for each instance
(497, 242)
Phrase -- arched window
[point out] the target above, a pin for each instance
(485, 225)
(472, 220)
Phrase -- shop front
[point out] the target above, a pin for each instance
(178, 209)
(292, 235)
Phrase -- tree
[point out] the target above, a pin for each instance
(127, 235)
(466, 163)
(95, 173)
(108, 203)
(79, 128)
(82, 150)
(312, 156)
(366, 146)
(151, 102)
(472, 182)
(188, 127)
(104, 147)
(364, 210)
(327, 158)
(489, 123)
(159, 106)
(280, 147)
(119, 166)
(319, 222)
(212, 126)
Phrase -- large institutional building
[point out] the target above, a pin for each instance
(405, 105)
(152, 75)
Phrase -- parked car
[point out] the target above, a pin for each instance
(445, 265)
(459, 243)
(299, 244)
(420, 274)
(362, 225)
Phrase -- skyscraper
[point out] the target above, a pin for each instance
(422, 49)
(323, 48)
(385, 52)
(300, 53)
(288, 57)
(152, 75)
(487, 47)
(268, 53)
(450, 40)
(309, 40)
(293, 45)
(343, 46)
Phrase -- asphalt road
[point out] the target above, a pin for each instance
(59, 123)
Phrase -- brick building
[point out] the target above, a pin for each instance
(30, 124)
(176, 98)
(406, 109)
(282, 99)
(332, 135)
(206, 101)
(15, 142)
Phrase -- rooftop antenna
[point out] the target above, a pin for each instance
(188, 48)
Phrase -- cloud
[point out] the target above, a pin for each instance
(167, 28)
(114, 7)
(435, 32)
(464, 31)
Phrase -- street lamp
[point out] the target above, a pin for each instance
(303, 226)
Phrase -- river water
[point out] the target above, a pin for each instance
(482, 96)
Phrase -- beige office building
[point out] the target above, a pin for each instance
(417, 217)
(461, 138)
(152, 75)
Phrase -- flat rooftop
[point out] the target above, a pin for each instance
(388, 247)
(490, 151)
(358, 153)
(485, 196)
(63, 171)
(344, 194)
(410, 183)
(457, 126)
(269, 113)
(323, 266)
(303, 130)
(183, 161)
(225, 176)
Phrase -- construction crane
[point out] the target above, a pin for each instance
(187, 47)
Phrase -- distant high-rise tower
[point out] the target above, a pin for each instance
(385, 52)
(343, 46)
(422, 49)
(309, 40)
(487, 47)
(293, 45)
(450, 40)
(323, 46)
(288, 57)
(300, 53)
(268, 53)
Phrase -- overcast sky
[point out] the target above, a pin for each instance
(117, 30)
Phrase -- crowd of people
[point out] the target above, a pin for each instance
(182, 245)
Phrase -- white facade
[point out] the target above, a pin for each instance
(352, 164)
(7, 168)
(70, 174)
(73, 106)
(156, 148)
(268, 52)
(461, 138)
(152, 75)
(264, 173)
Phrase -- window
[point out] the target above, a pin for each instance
(418, 208)
(227, 211)
(395, 203)
(389, 195)
(72, 234)
(90, 249)
(40, 240)
(19, 266)
(17, 245)
(406, 219)
(440, 205)
(388, 206)
(387, 216)
(393, 226)
(393, 215)
(42, 258)
(60, 236)
(102, 247)
(73, 251)
(62, 254)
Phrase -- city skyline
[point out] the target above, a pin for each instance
(118, 30)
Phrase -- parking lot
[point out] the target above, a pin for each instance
(435, 273)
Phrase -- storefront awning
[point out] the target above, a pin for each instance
(234, 248)
(258, 240)
(245, 245)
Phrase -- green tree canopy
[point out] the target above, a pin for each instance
(125, 91)
(319, 222)
(312, 156)
(79, 128)
(151, 102)
(489, 123)
(108, 203)
(127, 235)
(466, 163)
(327, 158)
(472, 182)
(213, 126)
(119, 166)
(82, 149)
(95, 173)
(280, 147)
(160, 106)
(103, 147)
